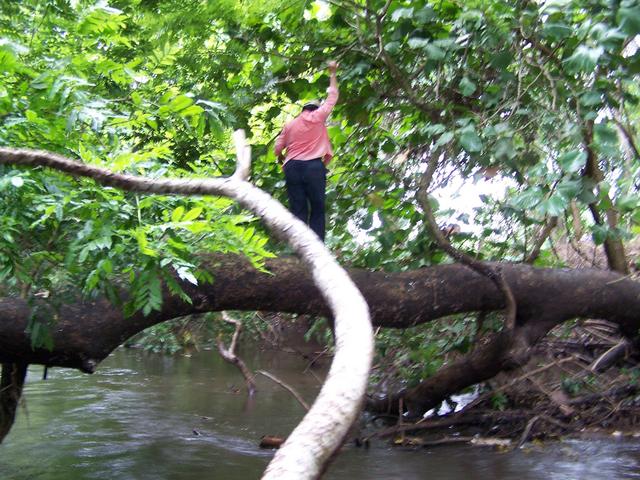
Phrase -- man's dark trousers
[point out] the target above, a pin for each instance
(306, 182)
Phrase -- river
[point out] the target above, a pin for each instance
(145, 416)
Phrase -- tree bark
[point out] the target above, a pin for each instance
(613, 247)
(87, 331)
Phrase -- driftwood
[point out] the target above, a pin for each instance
(271, 441)
(568, 399)
(229, 354)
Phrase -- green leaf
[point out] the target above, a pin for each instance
(470, 141)
(367, 221)
(434, 52)
(628, 203)
(584, 58)
(186, 274)
(192, 110)
(445, 138)
(177, 214)
(424, 15)
(192, 214)
(392, 47)
(599, 233)
(553, 206)
(401, 13)
(629, 20)
(106, 265)
(501, 60)
(8, 61)
(587, 196)
(504, 150)
(556, 31)
(180, 102)
(527, 199)
(591, 98)
(573, 161)
(433, 129)
(604, 134)
(417, 43)
(467, 87)
(372, 259)
(569, 189)
(143, 243)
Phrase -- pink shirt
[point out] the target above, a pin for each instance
(305, 137)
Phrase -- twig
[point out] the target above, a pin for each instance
(624, 277)
(628, 137)
(447, 441)
(609, 357)
(423, 425)
(594, 332)
(527, 431)
(543, 234)
(286, 387)
(484, 396)
(614, 392)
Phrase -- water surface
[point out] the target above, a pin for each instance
(144, 416)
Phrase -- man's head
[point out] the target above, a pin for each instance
(311, 106)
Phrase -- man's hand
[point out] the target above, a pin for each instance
(332, 66)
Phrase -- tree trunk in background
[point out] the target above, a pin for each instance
(613, 247)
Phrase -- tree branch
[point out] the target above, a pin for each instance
(229, 354)
(541, 237)
(311, 445)
(613, 247)
(495, 275)
(287, 387)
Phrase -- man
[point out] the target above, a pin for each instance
(308, 151)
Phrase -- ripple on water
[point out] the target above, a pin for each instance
(232, 444)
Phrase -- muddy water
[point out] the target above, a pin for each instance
(154, 417)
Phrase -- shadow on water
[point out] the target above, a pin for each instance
(144, 416)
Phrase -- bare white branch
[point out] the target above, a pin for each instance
(243, 156)
(310, 446)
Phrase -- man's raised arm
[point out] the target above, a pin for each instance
(323, 112)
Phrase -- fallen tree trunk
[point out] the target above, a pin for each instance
(86, 331)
